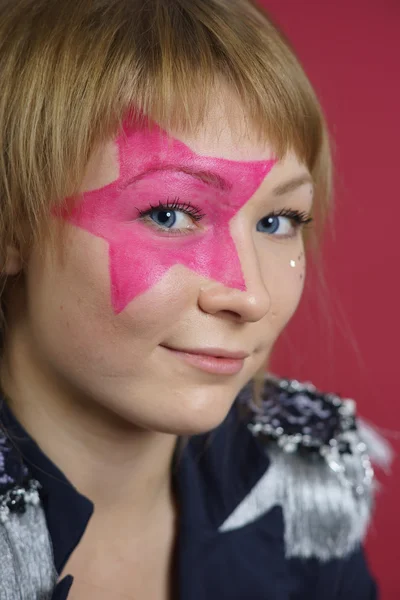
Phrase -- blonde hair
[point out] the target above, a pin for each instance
(71, 71)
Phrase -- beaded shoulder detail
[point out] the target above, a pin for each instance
(301, 420)
(320, 472)
(27, 568)
(17, 488)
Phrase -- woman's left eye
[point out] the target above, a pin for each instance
(284, 224)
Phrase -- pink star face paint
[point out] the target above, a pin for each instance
(155, 169)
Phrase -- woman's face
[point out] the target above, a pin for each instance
(180, 250)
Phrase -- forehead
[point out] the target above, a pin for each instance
(225, 136)
(226, 133)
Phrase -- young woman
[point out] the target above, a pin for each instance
(161, 164)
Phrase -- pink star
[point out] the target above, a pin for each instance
(155, 168)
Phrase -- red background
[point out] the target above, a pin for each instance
(346, 338)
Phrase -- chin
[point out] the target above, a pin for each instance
(192, 416)
(192, 425)
(205, 410)
(181, 408)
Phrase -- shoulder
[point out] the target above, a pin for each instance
(320, 471)
(25, 547)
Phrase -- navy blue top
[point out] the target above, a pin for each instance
(212, 475)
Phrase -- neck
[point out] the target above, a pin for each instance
(108, 459)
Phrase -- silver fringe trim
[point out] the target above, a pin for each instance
(379, 449)
(323, 516)
(26, 557)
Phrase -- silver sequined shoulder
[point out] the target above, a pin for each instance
(321, 471)
(26, 560)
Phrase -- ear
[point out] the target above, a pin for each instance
(13, 263)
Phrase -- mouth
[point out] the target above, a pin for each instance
(212, 360)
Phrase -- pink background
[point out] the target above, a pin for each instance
(346, 340)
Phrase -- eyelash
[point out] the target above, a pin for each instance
(185, 207)
(299, 218)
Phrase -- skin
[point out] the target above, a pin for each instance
(85, 368)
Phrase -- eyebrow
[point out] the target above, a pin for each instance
(208, 177)
(292, 184)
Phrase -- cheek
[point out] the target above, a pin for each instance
(155, 314)
(284, 279)
(68, 296)
(300, 263)
(73, 321)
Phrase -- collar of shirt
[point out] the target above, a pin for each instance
(213, 473)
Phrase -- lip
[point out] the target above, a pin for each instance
(215, 352)
(212, 360)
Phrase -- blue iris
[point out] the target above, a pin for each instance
(164, 218)
(268, 224)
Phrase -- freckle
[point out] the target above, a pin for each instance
(301, 276)
(61, 307)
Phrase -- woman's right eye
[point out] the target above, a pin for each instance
(171, 219)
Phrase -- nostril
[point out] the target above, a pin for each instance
(232, 315)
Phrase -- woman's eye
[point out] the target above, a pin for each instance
(171, 219)
(285, 224)
(276, 225)
(172, 216)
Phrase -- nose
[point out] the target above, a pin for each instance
(248, 305)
